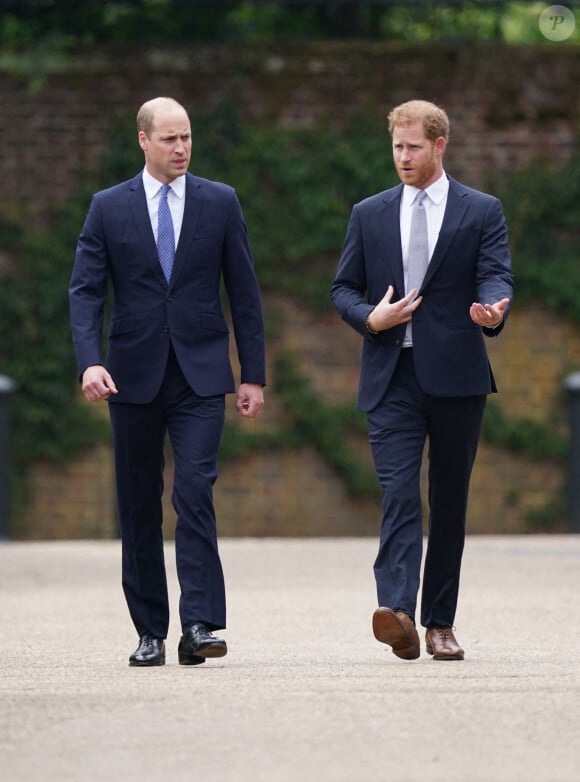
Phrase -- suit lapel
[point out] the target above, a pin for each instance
(455, 209)
(191, 213)
(390, 229)
(138, 205)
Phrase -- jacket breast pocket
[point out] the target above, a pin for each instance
(211, 230)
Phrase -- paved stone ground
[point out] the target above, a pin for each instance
(305, 693)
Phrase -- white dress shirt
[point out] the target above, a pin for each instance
(175, 199)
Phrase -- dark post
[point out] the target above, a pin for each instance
(6, 390)
(572, 385)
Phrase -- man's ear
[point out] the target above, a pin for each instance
(143, 140)
(440, 145)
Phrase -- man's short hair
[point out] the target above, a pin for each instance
(434, 120)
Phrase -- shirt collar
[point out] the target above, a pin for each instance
(153, 186)
(436, 191)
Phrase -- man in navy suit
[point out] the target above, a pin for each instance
(425, 372)
(168, 368)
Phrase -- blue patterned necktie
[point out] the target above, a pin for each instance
(165, 235)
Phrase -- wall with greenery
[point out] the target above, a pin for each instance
(296, 188)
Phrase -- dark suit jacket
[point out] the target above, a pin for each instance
(470, 263)
(117, 243)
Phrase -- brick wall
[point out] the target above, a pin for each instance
(507, 107)
(295, 492)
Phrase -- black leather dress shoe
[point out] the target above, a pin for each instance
(151, 651)
(197, 643)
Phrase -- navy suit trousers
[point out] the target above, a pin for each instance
(194, 425)
(398, 430)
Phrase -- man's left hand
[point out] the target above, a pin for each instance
(250, 400)
(488, 315)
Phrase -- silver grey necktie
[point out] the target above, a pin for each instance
(418, 254)
(165, 235)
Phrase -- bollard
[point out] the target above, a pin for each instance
(572, 386)
(6, 390)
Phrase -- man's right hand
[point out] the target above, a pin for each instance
(98, 384)
(386, 315)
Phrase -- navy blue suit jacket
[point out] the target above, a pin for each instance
(470, 262)
(117, 244)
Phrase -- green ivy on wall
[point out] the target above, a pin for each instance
(324, 426)
(296, 188)
(542, 205)
(534, 439)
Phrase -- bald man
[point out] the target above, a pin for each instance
(164, 241)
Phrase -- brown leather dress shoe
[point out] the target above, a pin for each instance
(396, 629)
(442, 644)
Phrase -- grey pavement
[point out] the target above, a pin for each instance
(305, 693)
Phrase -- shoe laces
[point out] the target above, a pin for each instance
(201, 629)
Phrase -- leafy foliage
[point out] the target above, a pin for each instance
(36, 348)
(533, 438)
(66, 24)
(296, 188)
(322, 426)
(542, 207)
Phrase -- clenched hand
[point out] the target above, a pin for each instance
(250, 400)
(98, 384)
